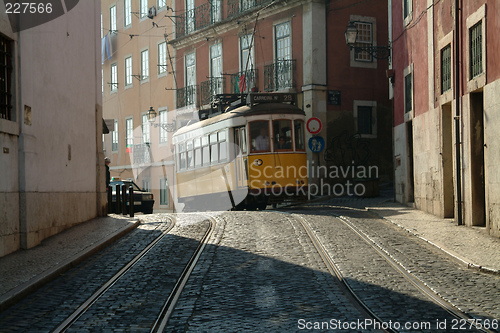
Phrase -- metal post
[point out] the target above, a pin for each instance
(131, 200)
(124, 199)
(118, 197)
(110, 200)
(458, 146)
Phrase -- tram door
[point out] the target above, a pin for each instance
(241, 156)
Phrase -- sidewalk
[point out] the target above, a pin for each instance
(24, 271)
(472, 246)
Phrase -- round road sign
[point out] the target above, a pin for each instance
(313, 125)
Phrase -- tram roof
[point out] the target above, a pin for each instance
(244, 111)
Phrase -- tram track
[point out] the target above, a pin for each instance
(169, 306)
(96, 295)
(335, 271)
(429, 293)
(159, 323)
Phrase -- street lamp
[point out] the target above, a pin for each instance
(378, 52)
(151, 114)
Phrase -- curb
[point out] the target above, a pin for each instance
(15, 295)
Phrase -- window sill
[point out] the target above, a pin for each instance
(9, 127)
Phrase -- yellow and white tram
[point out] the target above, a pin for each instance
(244, 158)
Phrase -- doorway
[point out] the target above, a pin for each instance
(411, 173)
(447, 161)
(477, 159)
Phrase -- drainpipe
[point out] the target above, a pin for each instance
(457, 114)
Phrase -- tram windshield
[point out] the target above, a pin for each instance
(259, 136)
(282, 134)
(299, 134)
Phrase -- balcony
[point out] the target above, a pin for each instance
(212, 12)
(210, 88)
(236, 7)
(198, 18)
(186, 96)
(280, 75)
(250, 81)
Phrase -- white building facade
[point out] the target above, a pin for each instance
(51, 160)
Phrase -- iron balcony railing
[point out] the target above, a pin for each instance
(243, 82)
(279, 75)
(186, 96)
(198, 18)
(210, 88)
(236, 7)
(212, 12)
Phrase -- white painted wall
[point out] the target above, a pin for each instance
(57, 172)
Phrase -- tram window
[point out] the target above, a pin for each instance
(197, 152)
(222, 146)
(205, 150)
(259, 135)
(214, 148)
(182, 156)
(243, 140)
(299, 134)
(282, 130)
(189, 151)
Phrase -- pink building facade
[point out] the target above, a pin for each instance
(445, 97)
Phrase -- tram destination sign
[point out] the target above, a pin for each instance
(255, 98)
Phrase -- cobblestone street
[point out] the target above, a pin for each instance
(261, 272)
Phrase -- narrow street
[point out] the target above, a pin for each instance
(263, 272)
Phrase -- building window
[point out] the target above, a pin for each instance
(5, 78)
(145, 65)
(146, 132)
(245, 53)
(129, 133)
(445, 69)
(190, 16)
(163, 121)
(128, 71)
(162, 58)
(127, 13)
(112, 19)
(216, 10)
(161, 4)
(163, 191)
(408, 92)
(365, 118)
(146, 184)
(190, 78)
(407, 11)
(114, 78)
(143, 10)
(476, 50)
(216, 68)
(114, 137)
(283, 41)
(364, 39)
